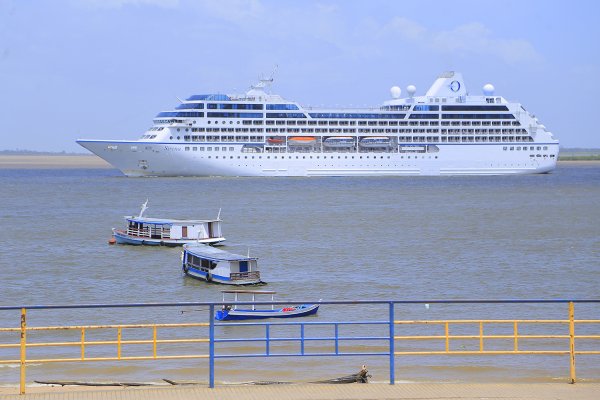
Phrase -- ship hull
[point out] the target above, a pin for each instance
(139, 158)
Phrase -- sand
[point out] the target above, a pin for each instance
(429, 391)
(51, 161)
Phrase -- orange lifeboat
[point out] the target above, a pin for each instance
(302, 140)
(275, 140)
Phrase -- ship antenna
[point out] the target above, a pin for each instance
(144, 208)
(219, 214)
(248, 252)
(181, 101)
(273, 73)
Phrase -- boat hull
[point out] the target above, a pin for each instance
(236, 315)
(215, 278)
(145, 158)
(123, 238)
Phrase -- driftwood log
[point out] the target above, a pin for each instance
(361, 377)
(77, 383)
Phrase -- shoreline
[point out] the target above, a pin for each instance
(52, 161)
(90, 161)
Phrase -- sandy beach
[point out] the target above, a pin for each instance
(441, 391)
(52, 161)
(92, 161)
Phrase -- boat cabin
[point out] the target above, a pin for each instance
(142, 230)
(214, 265)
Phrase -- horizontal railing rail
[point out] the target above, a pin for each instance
(394, 338)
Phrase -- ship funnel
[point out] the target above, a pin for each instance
(448, 84)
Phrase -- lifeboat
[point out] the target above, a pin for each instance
(375, 141)
(302, 141)
(339, 141)
(275, 140)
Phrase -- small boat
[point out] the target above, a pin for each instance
(375, 141)
(339, 141)
(207, 263)
(168, 232)
(275, 140)
(302, 141)
(230, 313)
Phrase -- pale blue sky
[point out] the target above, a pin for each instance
(103, 69)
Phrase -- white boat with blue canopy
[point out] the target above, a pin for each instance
(232, 312)
(207, 263)
(142, 230)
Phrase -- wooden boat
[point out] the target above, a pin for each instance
(231, 313)
(301, 141)
(142, 230)
(209, 264)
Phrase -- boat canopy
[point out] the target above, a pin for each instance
(162, 221)
(213, 254)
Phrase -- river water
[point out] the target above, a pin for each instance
(388, 238)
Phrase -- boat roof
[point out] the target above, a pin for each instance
(212, 253)
(165, 221)
(249, 291)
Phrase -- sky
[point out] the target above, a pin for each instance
(102, 69)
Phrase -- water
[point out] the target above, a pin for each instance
(398, 238)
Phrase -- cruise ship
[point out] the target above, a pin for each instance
(445, 132)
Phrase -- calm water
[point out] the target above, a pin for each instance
(320, 238)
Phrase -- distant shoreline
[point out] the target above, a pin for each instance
(91, 161)
(52, 161)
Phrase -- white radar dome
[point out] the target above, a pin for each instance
(411, 90)
(396, 92)
(488, 89)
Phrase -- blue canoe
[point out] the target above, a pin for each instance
(231, 313)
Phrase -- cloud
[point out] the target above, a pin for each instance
(237, 11)
(123, 3)
(467, 39)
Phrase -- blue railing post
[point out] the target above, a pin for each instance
(392, 350)
(337, 345)
(211, 347)
(302, 339)
(267, 339)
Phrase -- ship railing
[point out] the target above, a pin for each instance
(244, 275)
(524, 328)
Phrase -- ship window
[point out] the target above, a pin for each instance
(223, 148)
(187, 148)
(231, 149)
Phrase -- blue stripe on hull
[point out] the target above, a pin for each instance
(197, 274)
(226, 316)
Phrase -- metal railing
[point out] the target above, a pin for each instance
(561, 338)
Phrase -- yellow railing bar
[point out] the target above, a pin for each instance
(82, 343)
(516, 333)
(23, 350)
(471, 337)
(481, 336)
(154, 341)
(125, 358)
(491, 321)
(486, 352)
(129, 326)
(106, 342)
(119, 343)
(122, 342)
(446, 330)
(572, 340)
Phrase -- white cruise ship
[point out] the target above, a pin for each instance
(445, 132)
